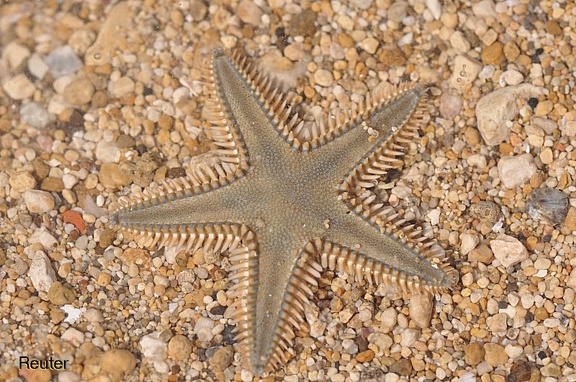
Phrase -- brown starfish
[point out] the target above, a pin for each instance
(276, 204)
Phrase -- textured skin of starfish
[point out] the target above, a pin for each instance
(283, 208)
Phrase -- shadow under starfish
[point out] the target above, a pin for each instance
(283, 208)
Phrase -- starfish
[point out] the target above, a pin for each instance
(284, 208)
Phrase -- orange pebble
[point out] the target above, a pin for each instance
(76, 219)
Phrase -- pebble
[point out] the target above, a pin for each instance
(487, 72)
(103, 279)
(81, 40)
(45, 238)
(488, 38)
(249, 13)
(435, 7)
(124, 86)
(62, 61)
(512, 77)
(468, 242)
(421, 306)
(459, 42)
(553, 28)
(388, 319)
(323, 77)
(202, 272)
(511, 51)
(543, 108)
(495, 354)
(68, 376)
(79, 92)
(402, 367)
(475, 353)
(36, 375)
(179, 348)
(38, 201)
(203, 329)
(497, 323)
(570, 221)
(112, 177)
(74, 336)
(467, 377)
(398, 10)
(513, 351)
(365, 356)
(35, 115)
(546, 156)
(41, 273)
(392, 56)
(59, 294)
(117, 20)
(51, 184)
(551, 322)
(496, 109)
(317, 328)
(19, 268)
(484, 8)
(449, 20)
(508, 250)
(465, 71)
(116, 363)
(94, 315)
(484, 367)
(362, 4)
(153, 347)
(198, 10)
(15, 54)
(69, 181)
(76, 219)
(520, 371)
(349, 346)
(107, 152)
(345, 315)
(369, 44)
(477, 160)
(37, 67)
(482, 254)
(535, 135)
(302, 23)
(21, 181)
(382, 341)
(527, 300)
(516, 170)
(409, 337)
(450, 105)
(222, 358)
(19, 87)
(494, 54)
(550, 370)
(293, 52)
(542, 263)
(549, 205)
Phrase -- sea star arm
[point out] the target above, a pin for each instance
(384, 255)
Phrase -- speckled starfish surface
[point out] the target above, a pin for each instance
(284, 208)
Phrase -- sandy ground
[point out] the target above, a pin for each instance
(98, 99)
